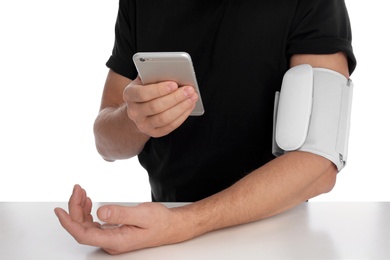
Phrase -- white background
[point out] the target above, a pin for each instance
(52, 70)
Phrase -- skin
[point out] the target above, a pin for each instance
(130, 114)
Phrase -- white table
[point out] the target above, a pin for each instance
(314, 230)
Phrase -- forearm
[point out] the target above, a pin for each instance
(116, 136)
(279, 185)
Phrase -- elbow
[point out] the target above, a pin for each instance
(104, 155)
(100, 143)
(328, 187)
(323, 184)
(328, 179)
(325, 180)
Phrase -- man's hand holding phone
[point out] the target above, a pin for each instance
(159, 108)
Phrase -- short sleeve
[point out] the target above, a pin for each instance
(121, 59)
(321, 27)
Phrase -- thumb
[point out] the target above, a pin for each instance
(123, 215)
(137, 80)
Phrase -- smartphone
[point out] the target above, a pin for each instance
(155, 67)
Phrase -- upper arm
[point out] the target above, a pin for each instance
(337, 62)
(113, 90)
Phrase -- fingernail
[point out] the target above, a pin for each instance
(188, 91)
(75, 187)
(172, 86)
(55, 211)
(104, 213)
(194, 98)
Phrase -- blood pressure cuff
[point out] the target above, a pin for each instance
(312, 113)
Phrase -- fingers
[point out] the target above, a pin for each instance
(80, 205)
(140, 226)
(87, 210)
(114, 241)
(153, 99)
(164, 103)
(87, 234)
(79, 224)
(76, 203)
(159, 127)
(136, 92)
(165, 122)
(158, 109)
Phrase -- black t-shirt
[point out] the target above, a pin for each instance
(240, 51)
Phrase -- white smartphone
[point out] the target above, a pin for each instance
(155, 67)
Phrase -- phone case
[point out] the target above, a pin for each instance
(155, 67)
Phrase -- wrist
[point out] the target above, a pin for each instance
(192, 220)
(116, 135)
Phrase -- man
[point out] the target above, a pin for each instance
(222, 161)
